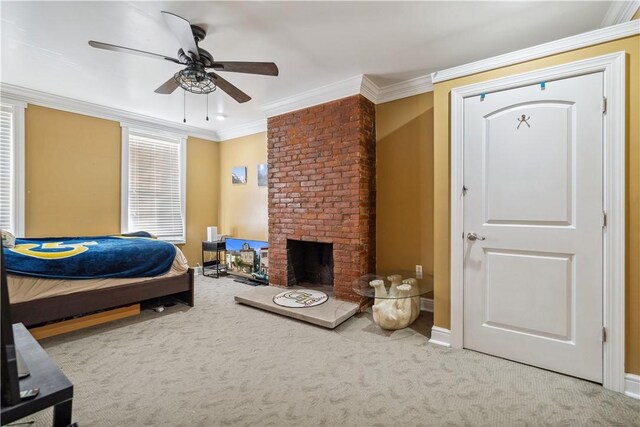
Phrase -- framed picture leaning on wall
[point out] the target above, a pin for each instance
(263, 171)
(239, 175)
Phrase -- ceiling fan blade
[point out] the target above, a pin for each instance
(231, 90)
(181, 28)
(264, 68)
(113, 47)
(167, 87)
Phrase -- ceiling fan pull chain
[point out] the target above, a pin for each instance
(184, 106)
(207, 107)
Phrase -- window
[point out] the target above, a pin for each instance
(12, 166)
(153, 183)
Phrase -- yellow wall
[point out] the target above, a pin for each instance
(637, 15)
(404, 183)
(203, 192)
(631, 46)
(243, 207)
(72, 178)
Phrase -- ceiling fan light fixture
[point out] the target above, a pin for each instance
(195, 81)
(194, 78)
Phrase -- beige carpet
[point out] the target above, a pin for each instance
(223, 363)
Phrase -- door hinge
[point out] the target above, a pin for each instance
(604, 105)
(604, 219)
(604, 334)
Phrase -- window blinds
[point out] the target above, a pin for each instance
(155, 201)
(7, 184)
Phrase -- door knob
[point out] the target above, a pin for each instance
(474, 236)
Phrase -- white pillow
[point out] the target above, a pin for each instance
(8, 239)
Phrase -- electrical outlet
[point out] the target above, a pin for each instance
(418, 272)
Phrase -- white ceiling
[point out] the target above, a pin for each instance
(44, 46)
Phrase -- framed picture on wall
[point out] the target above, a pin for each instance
(263, 170)
(239, 175)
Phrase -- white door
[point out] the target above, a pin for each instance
(533, 176)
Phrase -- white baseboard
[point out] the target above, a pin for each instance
(632, 385)
(426, 304)
(440, 336)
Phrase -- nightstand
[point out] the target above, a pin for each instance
(217, 266)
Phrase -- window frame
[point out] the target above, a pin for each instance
(18, 142)
(179, 139)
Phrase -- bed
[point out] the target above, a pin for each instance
(38, 298)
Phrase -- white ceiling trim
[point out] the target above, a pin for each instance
(320, 95)
(360, 84)
(404, 89)
(558, 46)
(243, 130)
(619, 12)
(369, 89)
(71, 105)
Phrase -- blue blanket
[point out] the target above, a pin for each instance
(125, 256)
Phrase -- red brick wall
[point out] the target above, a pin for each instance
(322, 187)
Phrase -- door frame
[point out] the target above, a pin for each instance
(613, 68)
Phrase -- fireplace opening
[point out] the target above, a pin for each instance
(309, 263)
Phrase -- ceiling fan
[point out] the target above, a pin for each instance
(195, 78)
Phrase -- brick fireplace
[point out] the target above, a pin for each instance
(322, 189)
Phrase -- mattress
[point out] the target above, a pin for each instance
(23, 288)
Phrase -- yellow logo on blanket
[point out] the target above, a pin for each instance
(44, 251)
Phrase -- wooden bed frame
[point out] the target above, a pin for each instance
(44, 310)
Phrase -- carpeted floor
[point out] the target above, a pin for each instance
(222, 363)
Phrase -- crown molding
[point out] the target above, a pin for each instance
(360, 84)
(369, 89)
(320, 95)
(404, 89)
(242, 130)
(620, 12)
(590, 38)
(31, 96)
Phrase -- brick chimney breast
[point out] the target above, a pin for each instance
(322, 187)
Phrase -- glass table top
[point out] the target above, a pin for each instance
(392, 284)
